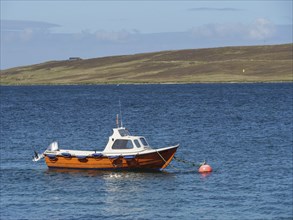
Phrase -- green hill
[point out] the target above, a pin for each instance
(228, 64)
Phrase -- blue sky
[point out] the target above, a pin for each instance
(39, 31)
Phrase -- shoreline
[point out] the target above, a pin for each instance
(138, 84)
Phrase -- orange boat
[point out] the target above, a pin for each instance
(123, 152)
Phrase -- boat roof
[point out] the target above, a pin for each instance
(121, 131)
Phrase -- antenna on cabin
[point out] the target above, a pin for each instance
(120, 114)
(117, 120)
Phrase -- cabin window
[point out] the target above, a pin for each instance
(143, 141)
(123, 132)
(137, 143)
(122, 144)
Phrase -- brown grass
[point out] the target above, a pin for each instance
(261, 63)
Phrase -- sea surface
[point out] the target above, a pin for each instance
(243, 131)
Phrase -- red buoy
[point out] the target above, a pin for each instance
(205, 168)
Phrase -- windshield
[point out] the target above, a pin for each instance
(122, 144)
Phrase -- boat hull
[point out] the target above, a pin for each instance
(155, 160)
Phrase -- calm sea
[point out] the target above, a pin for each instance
(244, 131)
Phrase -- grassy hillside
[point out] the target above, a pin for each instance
(227, 64)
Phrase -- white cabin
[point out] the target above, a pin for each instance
(121, 142)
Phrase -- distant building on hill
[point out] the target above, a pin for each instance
(74, 58)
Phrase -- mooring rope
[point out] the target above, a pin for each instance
(183, 161)
(166, 161)
(189, 162)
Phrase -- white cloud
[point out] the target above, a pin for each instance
(260, 29)
(112, 36)
(26, 34)
(15, 36)
(218, 30)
